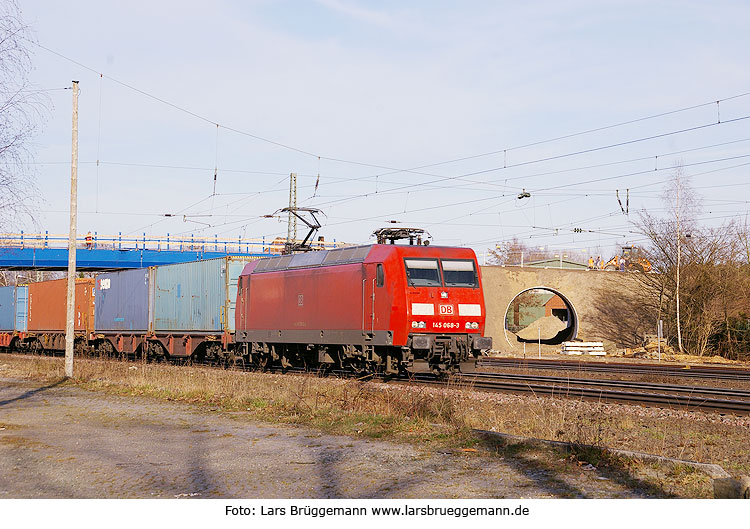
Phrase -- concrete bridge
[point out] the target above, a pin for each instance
(602, 304)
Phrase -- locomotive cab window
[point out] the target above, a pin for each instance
(380, 275)
(459, 273)
(422, 272)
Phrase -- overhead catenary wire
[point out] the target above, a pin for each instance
(422, 185)
(560, 156)
(378, 166)
(442, 178)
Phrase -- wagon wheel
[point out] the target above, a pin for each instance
(105, 349)
(36, 347)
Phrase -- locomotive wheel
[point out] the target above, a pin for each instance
(285, 364)
(260, 361)
(358, 365)
(237, 362)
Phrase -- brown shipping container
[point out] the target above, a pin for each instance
(47, 305)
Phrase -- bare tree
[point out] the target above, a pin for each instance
(684, 208)
(22, 110)
(515, 252)
(700, 283)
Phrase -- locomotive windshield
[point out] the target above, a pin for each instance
(422, 272)
(459, 273)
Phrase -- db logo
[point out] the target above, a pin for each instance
(446, 309)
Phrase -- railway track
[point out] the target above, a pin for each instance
(615, 384)
(715, 373)
(686, 398)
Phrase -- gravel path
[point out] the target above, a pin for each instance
(65, 442)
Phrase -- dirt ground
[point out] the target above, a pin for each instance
(59, 441)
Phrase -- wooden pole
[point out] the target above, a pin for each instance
(70, 318)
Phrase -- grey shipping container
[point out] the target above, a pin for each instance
(14, 308)
(122, 301)
(197, 296)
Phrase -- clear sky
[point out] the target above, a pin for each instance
(380, 99)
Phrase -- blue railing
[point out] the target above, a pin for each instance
(192, 243)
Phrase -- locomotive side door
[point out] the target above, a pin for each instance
(240, 308)
(376, 308)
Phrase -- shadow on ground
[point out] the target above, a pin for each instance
(520, 456)
(30, 393)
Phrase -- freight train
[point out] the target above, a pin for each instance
(367, 308)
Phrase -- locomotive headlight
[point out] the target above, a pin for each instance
(418, 325)
(422, 325)
(472, 325)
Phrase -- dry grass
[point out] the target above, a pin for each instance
(334, 405)
(428, 415)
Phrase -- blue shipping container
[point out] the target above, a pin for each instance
(197, 296)
(122, 301)
(22, 308)
(7, 308)
(14, 308)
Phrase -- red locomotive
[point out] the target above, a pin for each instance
(365, 308)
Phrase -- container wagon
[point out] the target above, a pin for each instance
(183, 310)
(47, 315)
(122, 318)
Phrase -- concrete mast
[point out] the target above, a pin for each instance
(70, 318)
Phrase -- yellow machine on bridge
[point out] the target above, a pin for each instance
(629, 260)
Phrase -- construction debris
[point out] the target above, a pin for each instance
(651, 350)
(542, 329)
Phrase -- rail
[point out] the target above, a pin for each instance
(94, 241)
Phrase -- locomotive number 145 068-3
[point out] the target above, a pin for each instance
(445, 325)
